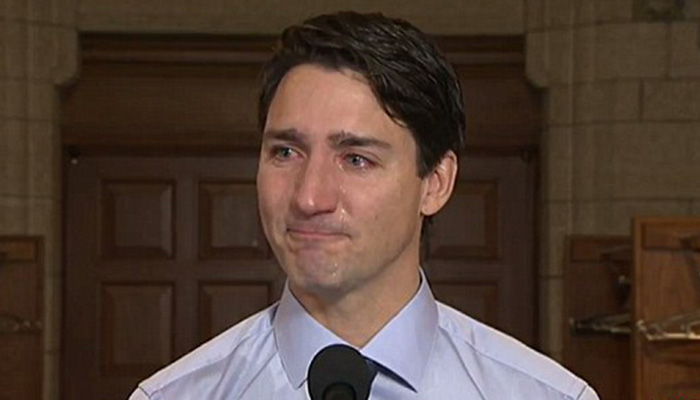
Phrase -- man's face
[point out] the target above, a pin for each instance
(338, 190)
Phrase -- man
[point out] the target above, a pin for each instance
(362, 122)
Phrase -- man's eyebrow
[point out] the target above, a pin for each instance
(286, 135)
(349, 139)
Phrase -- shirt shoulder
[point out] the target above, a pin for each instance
(499, 364)
(242, 350)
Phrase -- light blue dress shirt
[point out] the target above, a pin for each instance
(427, 351)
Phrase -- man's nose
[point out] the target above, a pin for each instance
(317, 187)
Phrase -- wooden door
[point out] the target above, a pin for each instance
(479, 254)
(666, 297)
(21, 312)
(163, 253)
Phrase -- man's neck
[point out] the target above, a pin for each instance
(358, 316)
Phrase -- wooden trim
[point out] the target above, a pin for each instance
(226, 49)
(672, 234)
(157, 69)
(20, 248)
(174, 48)
(582, 248)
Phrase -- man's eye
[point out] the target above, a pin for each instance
(282, 153)
(358, 161)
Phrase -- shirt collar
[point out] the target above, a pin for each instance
(299, 337)
(402, 346)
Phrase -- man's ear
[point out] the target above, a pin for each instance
(438, 184)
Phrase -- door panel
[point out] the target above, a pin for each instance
(228, 228)
(468, 226)
(137, 219)
(222, 304)
(127, 308)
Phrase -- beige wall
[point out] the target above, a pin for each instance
(622, 136)
(37, 51)
(621, 77)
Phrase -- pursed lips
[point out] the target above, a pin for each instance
(314, 232)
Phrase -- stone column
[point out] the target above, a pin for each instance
(37, 53)
(622, 134)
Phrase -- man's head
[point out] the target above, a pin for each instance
(410, 78)
(349, 104)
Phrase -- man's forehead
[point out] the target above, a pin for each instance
(321, 76)
(311, 95)
(348, 72)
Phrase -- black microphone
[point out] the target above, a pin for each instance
(339, 372)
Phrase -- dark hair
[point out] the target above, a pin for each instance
(411, 79)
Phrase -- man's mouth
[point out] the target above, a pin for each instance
(313, 232)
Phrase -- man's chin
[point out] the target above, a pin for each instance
(326, 287)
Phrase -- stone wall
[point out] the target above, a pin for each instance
(622, 136)
(37, 52)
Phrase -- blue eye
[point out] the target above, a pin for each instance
(358, 161)
(282, 153)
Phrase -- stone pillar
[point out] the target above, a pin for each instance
(622, 134)
(37, 52)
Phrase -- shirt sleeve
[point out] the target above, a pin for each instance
(588, 394)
